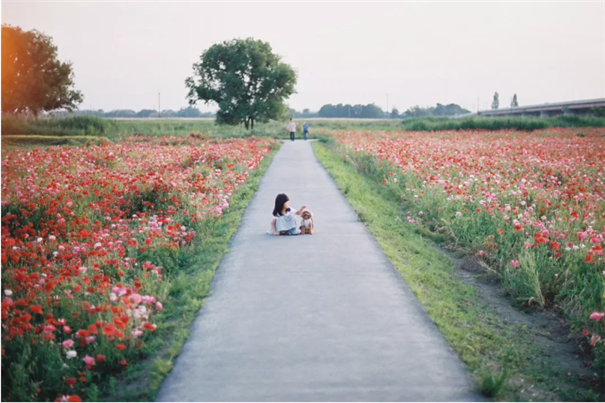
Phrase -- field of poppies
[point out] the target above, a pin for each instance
(90, 236)
(529, 206)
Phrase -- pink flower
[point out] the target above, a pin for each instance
(67, 329)
(137, 333)
(514, 263)
(136, 298)
(89, 360)
(82, 269)
(597, 316)
(69, 343)
(159, 306)
(49, 329)
(594, 340)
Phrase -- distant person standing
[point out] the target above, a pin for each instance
(292, 129)
(305, 129)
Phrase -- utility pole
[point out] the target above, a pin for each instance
(159, 106)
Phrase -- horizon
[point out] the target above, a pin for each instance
(392, 54)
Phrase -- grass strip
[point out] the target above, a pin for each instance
(186, 292)
(503, 358)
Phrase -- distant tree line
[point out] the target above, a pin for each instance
(189, 112)
(370, 111)
(438, 111)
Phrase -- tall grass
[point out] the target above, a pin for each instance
(499, 123)
(93, 126)
(70, 126)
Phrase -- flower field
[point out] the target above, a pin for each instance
(89, 238)
(529, 206)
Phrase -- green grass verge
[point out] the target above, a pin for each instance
(185, 295)
(500, 123)
(504, 358)
(28, 141)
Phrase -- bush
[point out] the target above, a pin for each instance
(485, 123)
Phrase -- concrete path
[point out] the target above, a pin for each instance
(312, 318)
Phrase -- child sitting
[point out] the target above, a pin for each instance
(284, 222)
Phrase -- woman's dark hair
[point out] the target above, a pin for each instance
(280, 200)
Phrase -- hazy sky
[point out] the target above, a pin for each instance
(123, 54)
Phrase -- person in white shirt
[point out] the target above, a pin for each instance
(292, 129)
(284, 222)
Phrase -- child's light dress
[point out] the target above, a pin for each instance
(286, 223)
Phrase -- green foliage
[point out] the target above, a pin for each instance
(35, 141)
(438, 110)
(33, 79)
(493, 385)
(369, 111)
(514, 103)
(598, 112)
(71, 126)
(496, 101)
(245, 78)
(499, 123)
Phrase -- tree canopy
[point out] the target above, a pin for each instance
(496, 101)
(514, 103)
(369, 111)
(245, 78)
(33, 79)
(438, 110)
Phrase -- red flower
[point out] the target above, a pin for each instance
(71, 382)
(540, 238)
(121, 322)
(121, 347)
(36, 309)
(109, 329)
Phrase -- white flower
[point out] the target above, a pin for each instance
(71, 354)
(8, 293)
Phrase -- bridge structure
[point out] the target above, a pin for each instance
(583, 107)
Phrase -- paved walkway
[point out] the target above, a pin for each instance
(312, 318)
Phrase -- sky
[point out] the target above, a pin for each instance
(391, 54)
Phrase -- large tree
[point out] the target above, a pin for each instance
(33, 79)
(245, 78)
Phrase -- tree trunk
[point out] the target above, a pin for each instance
(247, 123)
(252, 124)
